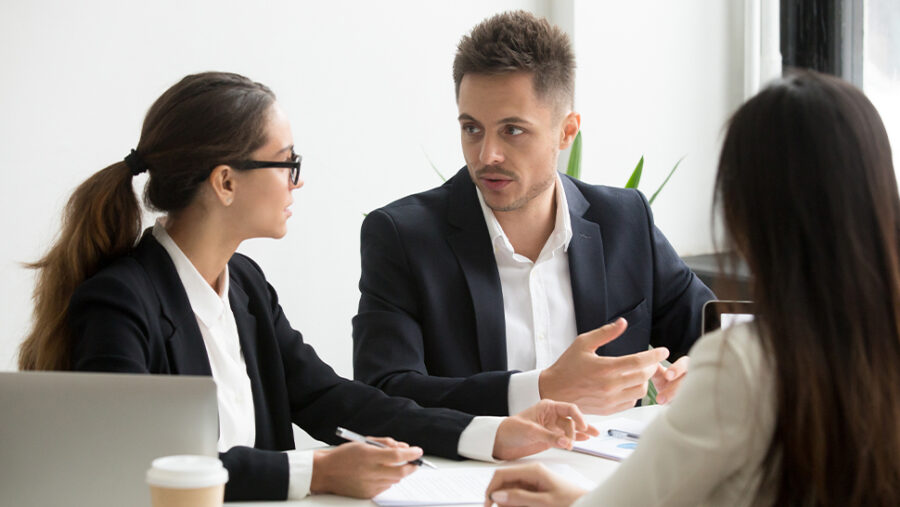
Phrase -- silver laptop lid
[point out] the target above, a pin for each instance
(88, 438)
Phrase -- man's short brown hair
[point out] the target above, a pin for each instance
(520, 41)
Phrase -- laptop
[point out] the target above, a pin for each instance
(88, 438)
(724, 314)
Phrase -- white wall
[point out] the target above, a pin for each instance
(368, 88)
(659, 79)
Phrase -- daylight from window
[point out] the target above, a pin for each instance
(881, 65)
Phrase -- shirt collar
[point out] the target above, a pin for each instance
(562, 229)
(207, 305)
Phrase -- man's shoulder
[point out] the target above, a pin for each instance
(424, 202)
(429, 209)
(606, 202)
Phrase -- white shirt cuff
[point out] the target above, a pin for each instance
(477, 440)
(300, 467)
(524, 390)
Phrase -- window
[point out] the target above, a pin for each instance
(858, 40)
(881, 65)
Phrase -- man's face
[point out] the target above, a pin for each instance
(511, 138)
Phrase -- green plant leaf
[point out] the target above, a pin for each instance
(573, 169)
(433, 167)
(635, 178)
(653, 197)
(651, 393)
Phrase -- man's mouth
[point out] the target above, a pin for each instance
(495, 182)
(494, 179)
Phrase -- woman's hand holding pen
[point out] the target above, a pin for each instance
(547, 424)
(361, 470)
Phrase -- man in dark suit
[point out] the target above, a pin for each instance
(512, 283)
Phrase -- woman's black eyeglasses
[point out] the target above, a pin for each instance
(293, 165)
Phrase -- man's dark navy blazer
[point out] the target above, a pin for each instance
(134, 316)
(431, 325)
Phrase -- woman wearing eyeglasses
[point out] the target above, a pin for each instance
(222, 167)
(802, 406)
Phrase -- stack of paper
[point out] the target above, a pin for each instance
(454, 486)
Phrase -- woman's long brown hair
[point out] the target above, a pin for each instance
(201, 121)
(808, 194)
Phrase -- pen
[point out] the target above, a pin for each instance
(356, 437)
(623, 434)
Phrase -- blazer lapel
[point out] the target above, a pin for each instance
(472, 246)
(186, 351)
(246, 326)
(586, 263)
(247, 332)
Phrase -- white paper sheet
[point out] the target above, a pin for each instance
(609, 447)
(454, 486)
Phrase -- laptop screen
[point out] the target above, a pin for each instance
(724, 314)
(88, 438)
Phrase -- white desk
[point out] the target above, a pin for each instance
(594, 468)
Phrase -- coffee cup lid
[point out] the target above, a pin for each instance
(186, 472)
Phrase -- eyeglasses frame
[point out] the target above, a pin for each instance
(294, 166)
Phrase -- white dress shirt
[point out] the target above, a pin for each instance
(237, 421)
(537, 302)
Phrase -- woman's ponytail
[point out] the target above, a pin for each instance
(203, 120)
(101, 222)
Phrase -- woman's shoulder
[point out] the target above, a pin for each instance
(136, 273)
(243, 267)
(736, 352)
(741, 340)
(125, 269)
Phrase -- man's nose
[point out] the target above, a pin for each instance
(491, 151)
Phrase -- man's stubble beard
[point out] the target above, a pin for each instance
(535, 190)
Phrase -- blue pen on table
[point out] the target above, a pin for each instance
(356, 437)
(627, 435)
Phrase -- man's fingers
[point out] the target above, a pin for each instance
(567, 425)
(393, 456)
(394, 473)
(646, 360)
(592, 340)
(635, 378)
(547, 436)
(678, 368)
(624, 405)
(665, 395)
(388, 441)
(571, 411)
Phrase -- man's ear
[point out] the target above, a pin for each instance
(223, 184)
(570, 125)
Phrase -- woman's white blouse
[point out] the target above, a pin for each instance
(706, 448)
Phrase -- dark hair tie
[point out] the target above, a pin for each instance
(136, 163)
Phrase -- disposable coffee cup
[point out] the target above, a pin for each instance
(187, 481)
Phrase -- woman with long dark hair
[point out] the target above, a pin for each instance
(222, 167)
(802, 406)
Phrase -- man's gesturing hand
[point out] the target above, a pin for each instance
(667, 380)
(600, 385)
(540, 427)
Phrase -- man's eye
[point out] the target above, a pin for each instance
(471, 129)
(513, 130)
